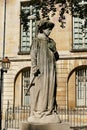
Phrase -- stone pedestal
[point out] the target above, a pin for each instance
(43, 126)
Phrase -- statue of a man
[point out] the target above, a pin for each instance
(43, 58)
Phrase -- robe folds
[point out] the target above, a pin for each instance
(43, 93)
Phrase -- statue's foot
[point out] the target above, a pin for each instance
(52, 118)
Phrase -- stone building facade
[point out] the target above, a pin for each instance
(71, 68)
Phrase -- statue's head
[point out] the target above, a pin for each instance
(44, 24)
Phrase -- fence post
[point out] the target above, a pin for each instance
(6, 116)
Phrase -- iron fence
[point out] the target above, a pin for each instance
(14, 116)
(76, 117)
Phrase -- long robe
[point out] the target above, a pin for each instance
(43, 93)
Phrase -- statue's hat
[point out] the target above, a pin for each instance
(44, 24)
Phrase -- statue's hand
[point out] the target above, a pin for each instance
(37, 73)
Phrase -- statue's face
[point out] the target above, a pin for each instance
(47, 31)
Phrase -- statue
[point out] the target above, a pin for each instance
(43, 66)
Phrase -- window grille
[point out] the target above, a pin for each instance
(81, 87)
(79, 32)
(26, 82)
(27, 36)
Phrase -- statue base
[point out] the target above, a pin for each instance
(53, 118)
(44, 126)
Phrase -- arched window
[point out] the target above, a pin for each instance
(25, 85)
(81, 87)
(22, 82)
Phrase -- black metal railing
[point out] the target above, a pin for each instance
(14, 116)
(76, 117)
